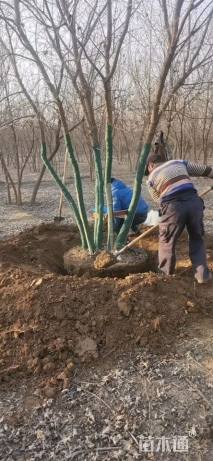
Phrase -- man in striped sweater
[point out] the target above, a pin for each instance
(170, 184)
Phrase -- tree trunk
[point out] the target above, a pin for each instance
(122, 236)
(67, 195)
(108, 173)
(99, 198)
(9, 178)
(41, 175)
(8, 185)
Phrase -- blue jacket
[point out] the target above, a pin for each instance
(122, 195)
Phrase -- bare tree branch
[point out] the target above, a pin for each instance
(166, 19)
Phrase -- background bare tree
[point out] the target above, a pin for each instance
(114, 71)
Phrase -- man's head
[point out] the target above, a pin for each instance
(158, 154)
(153, 161)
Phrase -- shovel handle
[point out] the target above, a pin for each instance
(151, 230)
(206, 191)
(131, 244)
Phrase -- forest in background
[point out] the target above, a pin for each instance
(81, 66)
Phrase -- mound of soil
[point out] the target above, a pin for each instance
(50, 323)
(41, 247)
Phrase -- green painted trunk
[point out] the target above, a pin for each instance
(99, 198)
(79, 195)
(66, 194)
(122, 236)
(108, 174)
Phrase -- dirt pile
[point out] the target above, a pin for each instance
(41, 247)
(50, 323)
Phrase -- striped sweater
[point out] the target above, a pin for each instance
(171, 177)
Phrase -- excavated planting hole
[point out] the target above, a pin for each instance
(55, 248)
(50, 324)
(78, 262)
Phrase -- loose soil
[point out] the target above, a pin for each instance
(51, 323)
(90, 364)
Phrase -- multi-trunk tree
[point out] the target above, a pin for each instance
(85, 46)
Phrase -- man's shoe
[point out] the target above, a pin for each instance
(160, 272)
(203, 280)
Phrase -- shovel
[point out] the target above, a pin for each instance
(106, 259)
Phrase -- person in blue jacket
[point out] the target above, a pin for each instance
(121, 196)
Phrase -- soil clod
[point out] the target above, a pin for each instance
(104, 259)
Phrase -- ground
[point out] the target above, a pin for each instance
(89, 365)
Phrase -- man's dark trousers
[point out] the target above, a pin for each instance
(183, 210)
